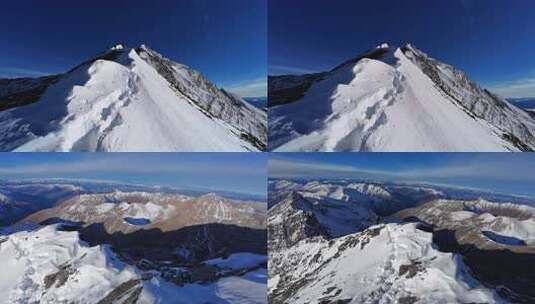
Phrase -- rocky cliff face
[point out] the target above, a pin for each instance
(517, 125)
(250, 121)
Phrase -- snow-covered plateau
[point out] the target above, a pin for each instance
(348, 241)
(127, 99)
(393, 99)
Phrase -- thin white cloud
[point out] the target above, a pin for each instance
(125, 166)
(482, 167)
(253, 88)
(519, 88)
(297, 168)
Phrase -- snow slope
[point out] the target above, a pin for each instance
(387, 100)
(249, 288)
(53, 266)
(344, 241)
(384, 264)
(27, 258)
(122, 102)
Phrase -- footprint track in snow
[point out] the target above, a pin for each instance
(363, 121)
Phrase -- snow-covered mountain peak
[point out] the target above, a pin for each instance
(128, 100)
(393, 99)
(383, 45)
(52, 264)
(425, 246)
(118, 46)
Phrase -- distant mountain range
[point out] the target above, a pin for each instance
(527, 103)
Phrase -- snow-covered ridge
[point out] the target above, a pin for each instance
(426, 248)
(131, 100)
(393, 99)
(49, 265)
(388, 263)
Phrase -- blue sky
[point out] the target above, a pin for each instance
(492, 40)
(499, 172)
(225, 39)
(236, 172)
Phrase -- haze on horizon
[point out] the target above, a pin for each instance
(509, 173)
(233, 172)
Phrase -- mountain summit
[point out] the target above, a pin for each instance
(393, 99)
(127, 99)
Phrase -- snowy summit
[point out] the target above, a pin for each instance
(393, 99)
(127, 99)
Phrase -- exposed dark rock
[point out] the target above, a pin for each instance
(129, 291)
(410, 270)
(512, 273)
(218, 104)
(60, 277)
(479, 102)
(408, 300)
(204, 241)
(517, 142)
(337, 301)
(289, 88)
(285, 89)
(281, 295)
(254, 141)
(23, 91)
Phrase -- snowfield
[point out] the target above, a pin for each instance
(84, 243)
(349, 241)
(127, 105)
(398, 264)
(388, 101)
(53, 266)
(29, 257)
(249, 288)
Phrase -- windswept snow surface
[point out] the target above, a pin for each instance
(247, 289)
(394, 264)
(48, 265)
(120, 105)
(386, 104)
(420, 249)
(28, 257)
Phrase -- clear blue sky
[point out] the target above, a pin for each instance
(225, 39)
(500, 172)
(236, 172)
(492, 40)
